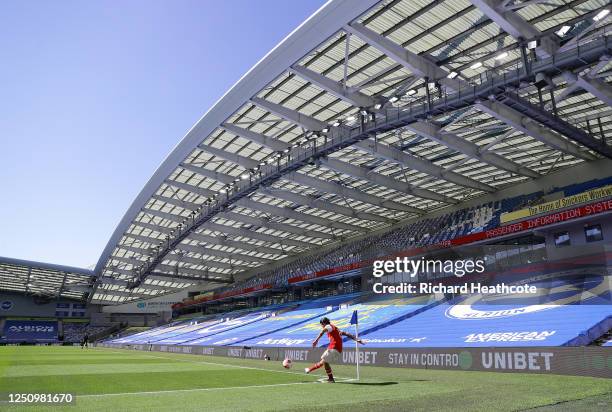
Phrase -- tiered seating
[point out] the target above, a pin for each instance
(569, 310)
(269, 325)
(307, 311)
(132, 330)
(75, 332)
(189, 329)
(143, 337)
(335, 300)
(582, 187)
(422, 233)
(419, 234)
(175, 336)
(238, 324)
(372, 316)
(575, 311)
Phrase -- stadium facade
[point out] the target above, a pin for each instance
(375, 129)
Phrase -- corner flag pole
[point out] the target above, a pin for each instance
(357, 348)
(355, 321)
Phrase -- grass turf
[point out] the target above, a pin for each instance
(105, 379)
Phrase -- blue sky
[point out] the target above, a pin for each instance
(95, 94)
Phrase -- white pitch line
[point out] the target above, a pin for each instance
(324, 379)
(193, 390)
(226, 364)
(211, 389)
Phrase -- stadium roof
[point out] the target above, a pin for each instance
(369, 113)
(23, 276)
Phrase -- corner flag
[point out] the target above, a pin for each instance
(355, 321)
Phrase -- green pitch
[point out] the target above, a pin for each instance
(116, 380)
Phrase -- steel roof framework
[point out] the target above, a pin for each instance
(368, 62)
(311, 96)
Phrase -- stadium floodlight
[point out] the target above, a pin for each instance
(501, 56)
(452, 75)
(262, 163)
(287, 150)
(377, 106)
(325, 130)
(601, 14)
(563, 30)
(532, 44)
(364, 112)
(393, 99)
(411, 92)
(336, 123)
(476, 65)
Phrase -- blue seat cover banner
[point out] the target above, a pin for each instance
(265, 326)
(371, 315)
(565, 309)
(198, 336)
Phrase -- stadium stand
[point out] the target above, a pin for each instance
(335, 301)
(306, 311)
(433, 322)
(570, 310)
(198, 330)
(153, 333)
(132, 330)
(373, 315)
(193, 330)
(75, 332)
(572, 313)
(175, 335)
(422, 233)
(269, 325)
(201, 335)
(296, 180)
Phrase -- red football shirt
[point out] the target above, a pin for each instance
(335, 340)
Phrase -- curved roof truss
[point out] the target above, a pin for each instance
(369, 113)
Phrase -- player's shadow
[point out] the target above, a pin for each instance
(369, 383)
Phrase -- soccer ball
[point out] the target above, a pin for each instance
(287, 364)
